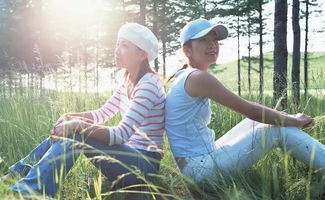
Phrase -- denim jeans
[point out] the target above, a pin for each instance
(53, 162)
(248, 142)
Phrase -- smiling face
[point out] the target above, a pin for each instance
(128, 54)
(203, 51)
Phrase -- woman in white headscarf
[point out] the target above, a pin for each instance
(136, 142)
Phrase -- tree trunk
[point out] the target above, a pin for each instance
(142, 12)
(155, 29)
(3, 85)
(164, 56)
(15, 85)
(28, 83)
(21, 84)
(86, 68)
(295, 73)
(97, 63)
(70, 72)
(80, 83)
(10, 80)
(249, 47)
(238, 51)
(64, 81)
(280, 52)
(41, 85)
(164, 38)
(306, 51)
(56, 80)
(261, 56)
(32, 83)
(70, 64)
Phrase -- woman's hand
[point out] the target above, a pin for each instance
(64, 117)
(303, 121)
(66, 128)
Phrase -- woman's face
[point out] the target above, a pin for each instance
(128, 54)
(205, 50)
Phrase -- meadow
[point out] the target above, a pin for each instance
(26, 121)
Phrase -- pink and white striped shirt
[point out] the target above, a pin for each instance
(143, 118)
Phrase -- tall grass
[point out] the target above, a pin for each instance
(25, 122)
(278, 176)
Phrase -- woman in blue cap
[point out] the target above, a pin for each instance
(135, 143)
(188, 114)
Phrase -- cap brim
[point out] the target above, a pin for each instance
(222, 32)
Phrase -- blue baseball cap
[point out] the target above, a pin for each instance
(199, 28)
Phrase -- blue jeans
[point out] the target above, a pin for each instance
(53, 162)
(249, 141)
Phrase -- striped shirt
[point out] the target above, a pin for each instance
(143, 118)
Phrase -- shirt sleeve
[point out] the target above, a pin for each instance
(108, 110)
(144, 98)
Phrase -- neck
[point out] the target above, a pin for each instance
(136, 73)
(197, 65)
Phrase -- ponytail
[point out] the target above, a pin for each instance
(170, 78)
(189, 45)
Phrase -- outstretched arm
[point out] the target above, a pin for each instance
(203, 84)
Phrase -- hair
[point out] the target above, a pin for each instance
(189, 45)
(144, 64)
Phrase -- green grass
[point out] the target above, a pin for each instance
(25, 122)
(227, 73)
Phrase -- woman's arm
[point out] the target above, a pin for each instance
(101, 115)
(74, 126)
(203, 84)
(97, 132)
(146, 95)
(67, 123)
(85, 116)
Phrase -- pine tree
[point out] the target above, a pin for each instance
(280, 52)
(295, 73)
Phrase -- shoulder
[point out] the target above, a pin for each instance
(150, 84)
(200, 78)
(150, 80)
(199, 83)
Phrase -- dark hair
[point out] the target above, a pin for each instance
(143, 64)
(187, 44)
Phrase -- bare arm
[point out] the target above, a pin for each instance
(97, 132)
(73, 126)
(85, 116)
(203, 84)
